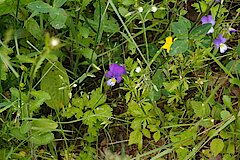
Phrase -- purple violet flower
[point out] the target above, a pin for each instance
(220, 43)
(115, 74)
(218, 0)
(208, 19)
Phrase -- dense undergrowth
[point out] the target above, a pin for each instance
(119, 79)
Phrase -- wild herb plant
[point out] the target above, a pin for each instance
(119, 79)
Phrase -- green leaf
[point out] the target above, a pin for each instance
(89, 54)
(16, 132)
(227, 101)
(104, 110)
(216, 146)
(201, 110)
(8, 6)
(97, 98)
(235, 81)
(156, 136)
(146, 133)
(78, 102)
(179, 46)
(40, 98)
(128, 2)
(44, 125)
(40, 7)
(123, 11)
(180, 30)
(200, 31)
(200, 6)
(58, 17)
(56, 83)
(135, 137)
(225, 114)
(134, 109)
(25, 59)
(85, 3)
(26, 126)
(33, 27)
(58, 3)
(185, 22)
(42, 139)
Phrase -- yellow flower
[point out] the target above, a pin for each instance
(167, 45)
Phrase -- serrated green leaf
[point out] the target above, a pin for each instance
(40, 98)
(216, 146)
(179, 46)
(200, 31)
(40, 7)
(104, 110)
(180, 30)
(78, 102)
(97, 98)
(55, 82)
(42, 139)
(134, 109)
(58, 17)
(123, 11)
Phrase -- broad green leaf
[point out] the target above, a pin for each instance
(89, 54)
(44, 125)
(188, 136)
(58, 17)
(179, 46)
(134, 109)
(40, 98)
(56, 83)
(8, 6)
(42, 139)
(185, 22)
(58, 3)
(225, 114)
(156, 136)
(123, 11)
(235, 81)
(227, 101)
(26, 126)
(128, 2)
(216, 146)
(135, 137)
(84, 31)
(181, 152)
(180, 30)
(146, 133)
(200, 31)
(16, 132)
(40, 7)
(201, 110)
(33, 27)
